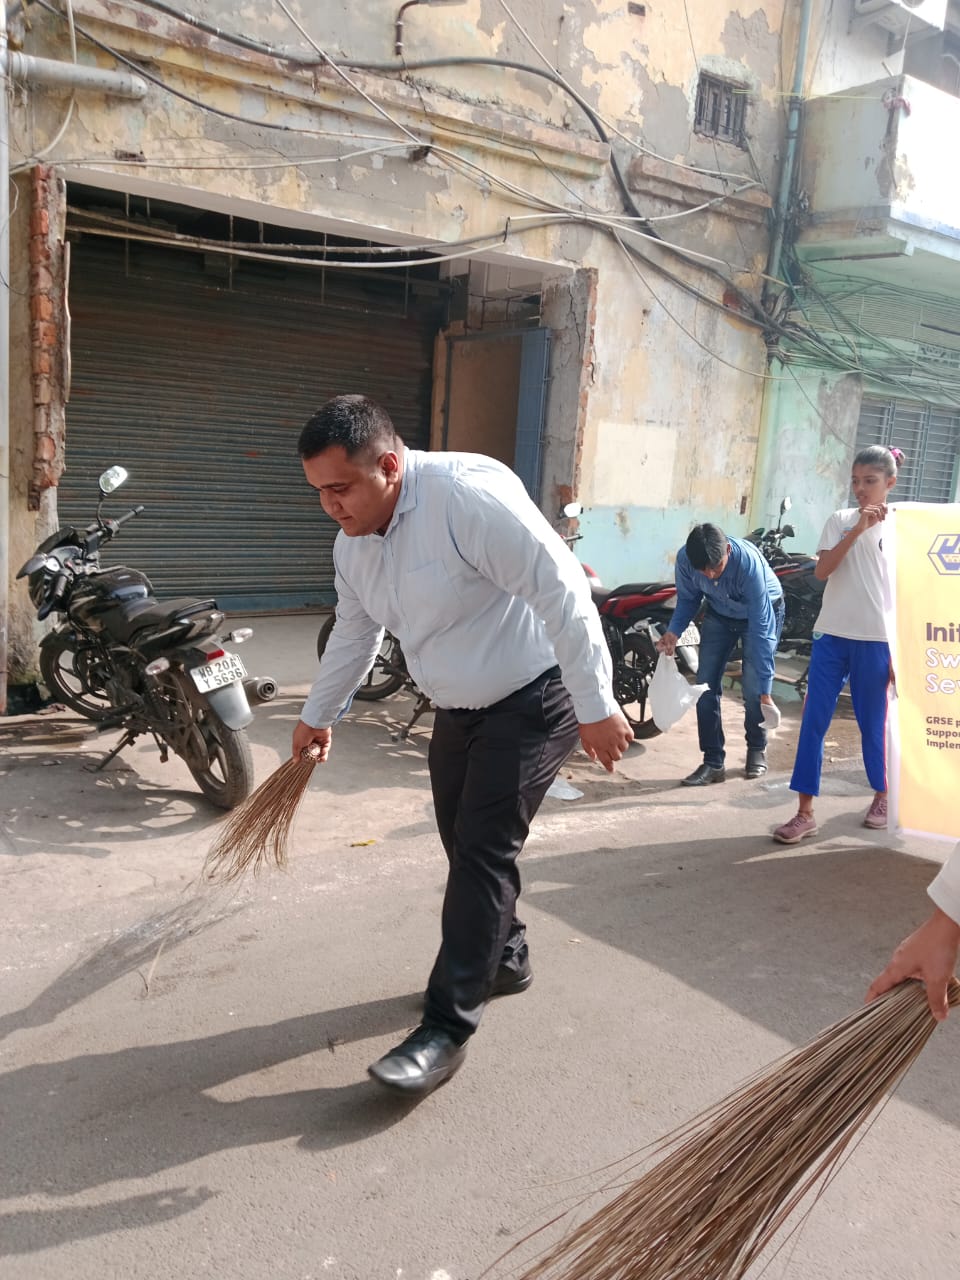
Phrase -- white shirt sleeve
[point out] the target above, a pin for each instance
(500, 532)
(351, 648)
(832, 532)
(945, 889)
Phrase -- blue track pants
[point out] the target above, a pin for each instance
(867, 663)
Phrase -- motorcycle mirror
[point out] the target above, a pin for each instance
(785, 505)
(573, 509)
(787, 531)
(112, 479)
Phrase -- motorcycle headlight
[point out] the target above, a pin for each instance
(40, 587)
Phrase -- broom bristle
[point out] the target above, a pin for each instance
(259, 830)
(735, 1173)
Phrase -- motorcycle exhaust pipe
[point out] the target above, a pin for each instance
(260, 688)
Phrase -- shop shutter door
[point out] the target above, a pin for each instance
(199, 387)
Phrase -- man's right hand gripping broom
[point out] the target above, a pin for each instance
(305, 736)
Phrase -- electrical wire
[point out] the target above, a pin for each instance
(329, 62)
(375, 252)
(752, 307)
(221, 163)
(217, 246)
(637, 146)
(325, 60)
(71, 106)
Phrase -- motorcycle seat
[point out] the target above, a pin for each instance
(133, 616)
(643, 589)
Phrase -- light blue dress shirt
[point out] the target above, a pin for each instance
(481, 593)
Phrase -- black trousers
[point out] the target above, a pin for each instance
(489, 770)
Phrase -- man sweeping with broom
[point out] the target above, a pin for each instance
(495, 619)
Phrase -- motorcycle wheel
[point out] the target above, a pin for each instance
(639, 658)
(67, 673)
(218, 757)
(226, 779)
(388, 673)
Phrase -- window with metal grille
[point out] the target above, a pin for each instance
(721, 109)
(927, 434)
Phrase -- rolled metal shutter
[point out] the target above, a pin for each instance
(199, 387)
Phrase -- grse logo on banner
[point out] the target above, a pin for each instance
(945, 553)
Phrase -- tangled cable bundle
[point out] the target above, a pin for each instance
(734, 1174)
(259, 830)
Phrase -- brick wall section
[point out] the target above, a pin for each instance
(49, 328)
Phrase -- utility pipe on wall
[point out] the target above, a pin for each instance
(772, 393)
(67, 75)
(788, 168)
(72, 75)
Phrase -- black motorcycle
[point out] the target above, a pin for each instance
(802, 590)
(124, 659)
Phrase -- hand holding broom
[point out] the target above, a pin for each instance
(930, 954)
(731, 1178)
(260, 829)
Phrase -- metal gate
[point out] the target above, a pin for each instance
(199, 387)
(929, 435)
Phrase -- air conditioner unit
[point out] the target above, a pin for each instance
(902, 16)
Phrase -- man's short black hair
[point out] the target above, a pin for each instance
(706, 546)
(353, 423)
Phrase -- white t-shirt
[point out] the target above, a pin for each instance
(854, 596)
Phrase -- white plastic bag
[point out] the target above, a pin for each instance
(670, 693)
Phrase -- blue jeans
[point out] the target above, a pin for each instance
(719, 635)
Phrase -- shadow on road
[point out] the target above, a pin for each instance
(101, 1118)
(759, 929)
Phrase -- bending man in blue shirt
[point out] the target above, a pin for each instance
(744, 602)
(497, 625)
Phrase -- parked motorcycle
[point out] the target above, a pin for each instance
(634, 617)
(124, 659)
(802, 590)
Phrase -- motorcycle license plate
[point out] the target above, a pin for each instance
(690, 636)
(214, 675)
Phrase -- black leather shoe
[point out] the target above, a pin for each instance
(510, 982)
(703, 776)
(756, 764)
(427, 1058)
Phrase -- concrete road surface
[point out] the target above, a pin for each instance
(183, 1087)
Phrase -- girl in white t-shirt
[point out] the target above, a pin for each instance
(850, 641)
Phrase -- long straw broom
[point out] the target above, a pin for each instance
(735, 1174)
(259, 830)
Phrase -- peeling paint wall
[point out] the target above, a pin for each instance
(807, 451)
(674, 430)
(654, 404)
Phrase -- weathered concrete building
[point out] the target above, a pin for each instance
(535, 230)
(871, 262)
(558, 233)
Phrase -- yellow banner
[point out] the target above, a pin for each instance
(921, 543)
